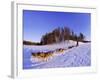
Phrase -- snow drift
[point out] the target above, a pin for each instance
(75, 57)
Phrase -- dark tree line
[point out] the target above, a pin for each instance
(61, 34)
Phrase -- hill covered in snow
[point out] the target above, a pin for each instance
(76, 56)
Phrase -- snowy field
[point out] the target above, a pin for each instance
(74, 57)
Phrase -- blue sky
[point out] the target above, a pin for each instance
(37, 23)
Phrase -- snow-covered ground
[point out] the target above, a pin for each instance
(75, 57)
